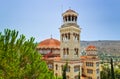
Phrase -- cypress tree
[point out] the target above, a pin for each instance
(79, 75)
(64, 71)
(112, 69)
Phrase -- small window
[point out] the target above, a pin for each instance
(97, 64)
(69, 18)
(89, 77)
(56, 67)
(76, 51)
(68, 69)
(97, 71)
(67, 51)
(50, 66)
(90, 64)
(98, 77)
(76, 68)
(90, 71)
(77, 77)
(67, 77)
(62, 67)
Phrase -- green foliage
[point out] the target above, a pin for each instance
(106, 71)
(19, 58)
(117, 73)
(112, 70)
(59, 78)
(105, 74)
(79, 75)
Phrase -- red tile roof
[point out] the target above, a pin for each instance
(91, 48)
(49, 43)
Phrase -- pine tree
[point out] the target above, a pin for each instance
(19, 58)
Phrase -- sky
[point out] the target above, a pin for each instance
(98, 19)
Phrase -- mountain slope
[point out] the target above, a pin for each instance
(104, 46)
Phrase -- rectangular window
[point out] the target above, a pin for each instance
(97, 64)
(76, 68)
(90, 64)
(68, 69)
(89, 77)
(98, 77)
(97, 71)
(50, 66)
(90, 71)
(76, 77)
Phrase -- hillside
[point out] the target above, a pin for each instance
(107, 46)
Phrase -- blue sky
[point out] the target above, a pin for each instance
(99, 19)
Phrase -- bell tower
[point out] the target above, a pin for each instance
(70, 36)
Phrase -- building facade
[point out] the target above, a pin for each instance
(68, 51)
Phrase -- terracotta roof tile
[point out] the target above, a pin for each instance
(91, 48)
(49, 43)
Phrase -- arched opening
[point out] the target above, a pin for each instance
(67, 51)
(72, 17)
(56, 67)
(69, 18)
(75, 18)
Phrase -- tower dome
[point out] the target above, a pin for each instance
(70, 16)
(91, 50)
(49, 44)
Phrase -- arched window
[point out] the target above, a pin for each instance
(73, 18)
(69, 18)
(76, 51)
(62, 67)
(62, 36)
(56, 67)
(68, 35)
(65, 18)
(67, 51)
(64, 51)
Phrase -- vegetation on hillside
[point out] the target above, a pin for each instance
(19, 58)
(110, 71)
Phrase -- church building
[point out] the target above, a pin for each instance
(57, 53)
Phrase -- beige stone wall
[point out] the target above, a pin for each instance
(94, 75)
(71, 74)
(70, 43)
(46, 51)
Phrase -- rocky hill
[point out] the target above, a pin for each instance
(104, 46)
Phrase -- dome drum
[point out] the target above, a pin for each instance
(70, 16)
(49, 45)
